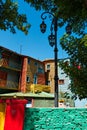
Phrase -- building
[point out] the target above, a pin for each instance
(35, 73)
(63, 82)
(20, 73)
(50, 73)
(10, 70)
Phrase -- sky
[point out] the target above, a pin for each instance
(35, 44)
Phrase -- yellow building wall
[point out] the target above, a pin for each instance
(2, 115)
(50, 73)
(34, 88)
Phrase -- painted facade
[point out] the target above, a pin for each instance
(19, 72)
(63, 82)
(35, 72)
(50, 73)
(55, 119)
(10, 69)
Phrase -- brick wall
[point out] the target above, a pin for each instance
(23, 75)
(32, 69)
(55, 119)
(41, 79)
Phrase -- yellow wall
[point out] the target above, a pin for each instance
(2, 115)
(38, 88)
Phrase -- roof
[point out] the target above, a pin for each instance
(10, 51)
(34, 95)
(52, 60)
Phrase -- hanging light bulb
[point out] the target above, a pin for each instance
(43, 27)
(51, 39)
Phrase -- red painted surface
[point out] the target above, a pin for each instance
(14, 117)
(41, 79)
(3, 78)
(23, 75)
(1, 101)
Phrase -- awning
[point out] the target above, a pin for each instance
(34, 95)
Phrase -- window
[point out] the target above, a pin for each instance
(28, 61)
(35, 63)
(66, 76)
(28, 79)
(29, 104)
(40, 70)
(0, 55)
(61, 81)
(48, 66)
(35, 79)
(62, 72)
(48, 83)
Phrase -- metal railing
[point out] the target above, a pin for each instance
(4, 62)
(7, 84)
(35, 88)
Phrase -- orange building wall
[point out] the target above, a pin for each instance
(32, 69)
(50, 73)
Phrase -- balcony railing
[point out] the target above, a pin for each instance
(7, 84)
(5, 63)
(35, 88)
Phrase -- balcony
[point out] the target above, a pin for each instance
(7, 84)
(37, 88)
(13, 66)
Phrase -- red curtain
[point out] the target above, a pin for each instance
(14, 117)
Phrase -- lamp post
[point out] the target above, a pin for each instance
(53, 42)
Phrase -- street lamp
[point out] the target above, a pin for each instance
(53, 42)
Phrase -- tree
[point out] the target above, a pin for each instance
(77, 68)
(10, 17)
(74, 12)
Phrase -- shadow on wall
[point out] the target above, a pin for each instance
(31, 117)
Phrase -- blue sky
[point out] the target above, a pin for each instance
(35, 44)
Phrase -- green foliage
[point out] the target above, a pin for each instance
(84, 40)
(77, 68)
(10, 17)
(41, 4)
(72, 11)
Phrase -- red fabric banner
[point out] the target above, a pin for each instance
(14, 118)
